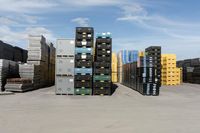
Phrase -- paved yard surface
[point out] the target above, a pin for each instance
(176, 110)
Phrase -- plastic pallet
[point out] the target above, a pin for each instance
(80, 91)
(80, 84)
(83, 77)
(81, 64)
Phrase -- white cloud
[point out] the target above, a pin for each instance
(138, 15)
(26, 6)
(7, 21)
(20, 37)
(81, 21)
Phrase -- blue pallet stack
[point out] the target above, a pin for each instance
(83, 60)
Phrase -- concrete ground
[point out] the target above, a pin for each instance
(176, 110)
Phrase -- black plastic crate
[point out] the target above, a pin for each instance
(105, 71)
(102, 64)
(97, 91)
(104, 52)
(88, 30)
(84, 57)
(103, 59)
(103, 40)
(87, 37)
(80, 84)
(81, 64)
(88, 44)
(83, 77)
(103, 46)
(101, 84)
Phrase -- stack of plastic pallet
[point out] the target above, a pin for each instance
(19, 85)
(83, 60)
(114, 68)
(147, 78)
(154, 52)
(119, 67)
(102, 65)
(170, 73)
(8, 69)
(32, 72)
(65, 67)
(190, 70)
(38, 55)
(125, 57)
(143, 75)
(51, 65)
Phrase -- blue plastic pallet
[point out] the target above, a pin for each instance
(83, 50)
(83, 71)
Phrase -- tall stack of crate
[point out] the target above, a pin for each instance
(84, 42)
(190, 70)
(143, 75)
(119, 67)
(103, 65)
(147, 81)
(65, 67)
(38, 55)
(155, 53)
(51, 65)
(170, 73)
(114, 67)
(125, 57)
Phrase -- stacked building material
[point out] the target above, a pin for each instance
(190, 70)
(102, 84)
(9, 52)
(84, 60)
(32, 72)
(114, 68)
(125, 57)
(65, 67)
(19, 84)
(143, 75)
(39, 54)
(170, 73)
(8, 69)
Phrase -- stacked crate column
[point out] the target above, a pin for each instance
(83, 60)
(65, 67)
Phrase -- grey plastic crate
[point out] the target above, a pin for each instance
(64, 85)
(65, 47)
(65, 66)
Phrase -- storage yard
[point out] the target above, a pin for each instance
(67, 86)
(175, 110)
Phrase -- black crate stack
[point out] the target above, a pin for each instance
(102, 65)
(191, 70)
(144, 75)
(83, 60)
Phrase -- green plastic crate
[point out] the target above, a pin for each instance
(83, 91)
(102, 77)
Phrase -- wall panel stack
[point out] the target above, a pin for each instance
(65, 66)
(84, 42)
(102, 65)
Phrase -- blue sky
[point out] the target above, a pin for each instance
(134, 24)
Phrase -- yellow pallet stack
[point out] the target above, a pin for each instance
(119, 67)
(141, 54)
(114, 68)
(171, 75)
